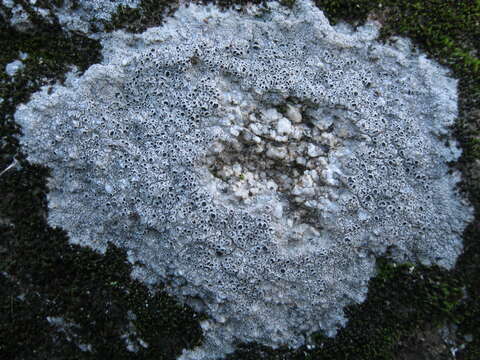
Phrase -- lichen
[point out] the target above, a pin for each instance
(131, 143)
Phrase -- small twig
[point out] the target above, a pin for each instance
(9, 167)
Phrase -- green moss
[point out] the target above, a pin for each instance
(472, 148)
(149, 13)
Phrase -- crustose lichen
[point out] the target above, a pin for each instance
(257, 163)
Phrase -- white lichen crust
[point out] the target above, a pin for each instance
(258, 162)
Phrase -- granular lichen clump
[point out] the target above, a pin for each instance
(258, 162)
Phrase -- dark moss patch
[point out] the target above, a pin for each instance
(148, 14)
